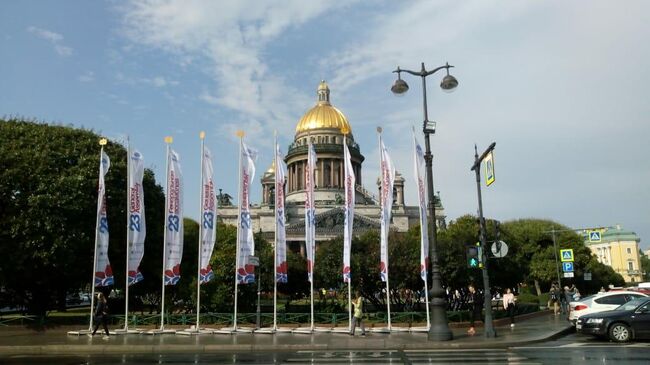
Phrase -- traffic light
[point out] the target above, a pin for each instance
(473, 260)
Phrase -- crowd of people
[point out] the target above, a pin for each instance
(559, 298)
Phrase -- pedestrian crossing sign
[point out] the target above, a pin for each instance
(489, 169)
(594, 236)
(567, 255)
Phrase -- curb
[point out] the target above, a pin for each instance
(367, 344)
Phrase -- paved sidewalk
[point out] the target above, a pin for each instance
(20, 341)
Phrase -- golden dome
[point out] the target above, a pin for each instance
(271, 169)
(323, 115)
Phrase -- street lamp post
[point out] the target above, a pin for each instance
(439, 329)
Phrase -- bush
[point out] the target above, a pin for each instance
(528, 298)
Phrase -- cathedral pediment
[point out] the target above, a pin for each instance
(332, 222)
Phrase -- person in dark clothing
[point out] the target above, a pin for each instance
(476, 306)
(101, 315)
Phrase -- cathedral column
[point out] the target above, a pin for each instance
(290, 178)
(332, 172)
(263, 194)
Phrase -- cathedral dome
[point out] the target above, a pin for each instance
(323, 115)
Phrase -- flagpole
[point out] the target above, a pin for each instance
(312, 248)
(386, 224)
(426, 299)
(423, 228)
(345, 142)
(102, 143)
(240, 134)
(275, 246)
(198, 268)
(128, 249)
(168, 141)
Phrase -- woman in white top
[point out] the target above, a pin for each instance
(509, 305)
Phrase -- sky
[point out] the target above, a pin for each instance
(560, 86)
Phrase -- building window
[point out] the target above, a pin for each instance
(629, 251)
(630, 265)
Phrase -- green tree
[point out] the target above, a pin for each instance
(48, 198)
(645, 265)
(535, 256)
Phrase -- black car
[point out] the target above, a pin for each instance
(629, 321)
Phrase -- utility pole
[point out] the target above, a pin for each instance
(476, 167)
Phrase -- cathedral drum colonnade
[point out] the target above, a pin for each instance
(323, 124)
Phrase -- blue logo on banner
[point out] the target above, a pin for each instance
(134, 222)
(208, 220)
(173, 223)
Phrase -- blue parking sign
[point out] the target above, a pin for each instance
(567, 266)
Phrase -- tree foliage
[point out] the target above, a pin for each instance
(48, 200)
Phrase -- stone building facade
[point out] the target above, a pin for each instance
(327, 128)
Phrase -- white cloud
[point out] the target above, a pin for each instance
(231, 37)
(156, 81)
(55, 39)
(88, 76)
(542, 79)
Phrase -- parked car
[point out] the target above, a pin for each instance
(600, 302)
(629, 321)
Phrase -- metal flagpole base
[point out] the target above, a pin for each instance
(224, 331)
(193, 331)
(79, 332)
(283, 330)
(323, 329)
(340, 330)
(303, 330)
(244, 330)
(159, 331)
(87, 332)
(266, 330)
(400, 329)
(419, 329)
(128, 331)
(379, 330)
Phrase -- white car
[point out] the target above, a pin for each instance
(600, 302)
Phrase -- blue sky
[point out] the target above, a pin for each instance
(560, 86)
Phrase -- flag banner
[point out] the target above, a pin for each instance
(310, 211)
(137, 226)
(386, 200)
(419, 171)
(103, 271)
(349, 211)
(174, 244)
(281, 235)
(246, 271)
(208, 217)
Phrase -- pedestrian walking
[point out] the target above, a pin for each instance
(101, 316)
(357, 318)
(554, 297)
(564, 300)
(509, 305)
(476, 306)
